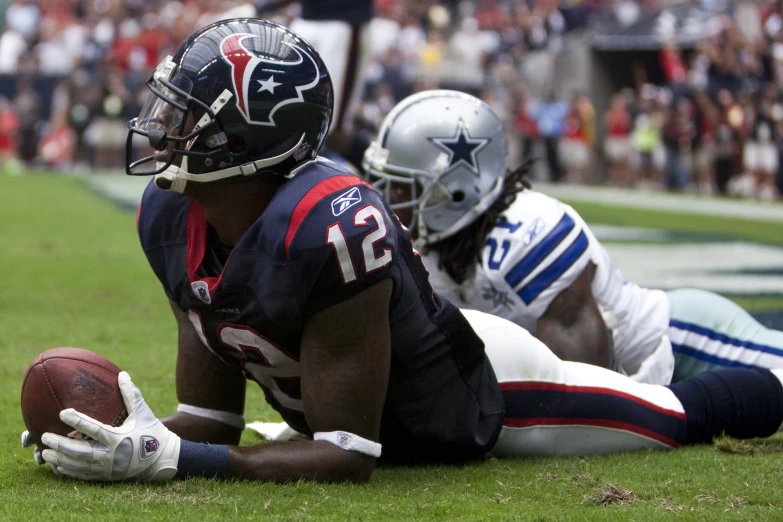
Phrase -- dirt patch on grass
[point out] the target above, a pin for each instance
(611, 494)
(726, 444)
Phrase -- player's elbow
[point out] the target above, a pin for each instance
(355, 467)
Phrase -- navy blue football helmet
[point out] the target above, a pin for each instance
(239, 98)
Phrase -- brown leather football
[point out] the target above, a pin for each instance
(63, 378)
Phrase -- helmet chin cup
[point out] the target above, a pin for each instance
(169, 181)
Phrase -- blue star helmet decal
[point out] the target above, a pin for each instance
(461, 147)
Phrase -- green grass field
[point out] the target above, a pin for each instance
(74, 275)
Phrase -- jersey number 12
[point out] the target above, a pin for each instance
(336, 237)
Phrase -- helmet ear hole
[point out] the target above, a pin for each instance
(458, 196)
(236, 144)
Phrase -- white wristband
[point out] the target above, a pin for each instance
(350, 442)
(226, 417)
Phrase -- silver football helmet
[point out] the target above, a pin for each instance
(442, 154)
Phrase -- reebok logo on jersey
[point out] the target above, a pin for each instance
(346, 200)
(532, 231)
(148, 446)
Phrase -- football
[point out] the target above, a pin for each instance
(63, 378)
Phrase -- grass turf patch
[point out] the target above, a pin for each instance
(74, 275)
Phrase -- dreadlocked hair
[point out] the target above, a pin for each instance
(459, 253)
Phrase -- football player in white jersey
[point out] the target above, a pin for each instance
(532, 259)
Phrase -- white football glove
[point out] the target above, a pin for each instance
(141, 449)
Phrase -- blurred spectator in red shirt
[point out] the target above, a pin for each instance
(617, 144)
(576, 144)
(9, 125)
(489, 16)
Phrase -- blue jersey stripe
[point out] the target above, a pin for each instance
(547, 245)
(705, 357)
(554, 271)
(725, 339)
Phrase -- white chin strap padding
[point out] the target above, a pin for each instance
(169, 181)
(248, 169)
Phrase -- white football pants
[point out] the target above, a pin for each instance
(708, 331)
(555, 407)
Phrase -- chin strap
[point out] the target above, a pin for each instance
(175, 178)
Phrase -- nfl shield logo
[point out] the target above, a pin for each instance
(201, 290)
(301, 152)
(149, 445)
(343, 439)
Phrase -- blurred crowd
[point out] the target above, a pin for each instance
(72, 72)
(716, 123)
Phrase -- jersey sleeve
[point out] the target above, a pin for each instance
(345, 244)
(159, 222)
(542, 256)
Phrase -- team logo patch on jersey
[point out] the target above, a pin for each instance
(346, 200)
(343, 439)
(201, 290)
(148, 446)
(260, 82)
(496, 297)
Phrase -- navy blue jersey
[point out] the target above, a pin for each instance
(324, 237)
(354, 12)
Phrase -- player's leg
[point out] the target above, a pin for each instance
(344, 51)
(555, 407)
(708, 331)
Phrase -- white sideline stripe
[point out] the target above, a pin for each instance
(730, 268)
(129, 189)
(690, 204)
(120, 187)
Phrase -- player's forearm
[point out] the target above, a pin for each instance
(586, 343)
(291, 461)
(200, 429)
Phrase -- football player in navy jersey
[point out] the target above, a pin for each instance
(284, 269)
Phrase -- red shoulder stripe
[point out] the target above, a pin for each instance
(312, 198)
(138, 219)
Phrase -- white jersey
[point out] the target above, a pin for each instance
(539, 250)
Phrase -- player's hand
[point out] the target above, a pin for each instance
(27, 441)
(141, 449)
